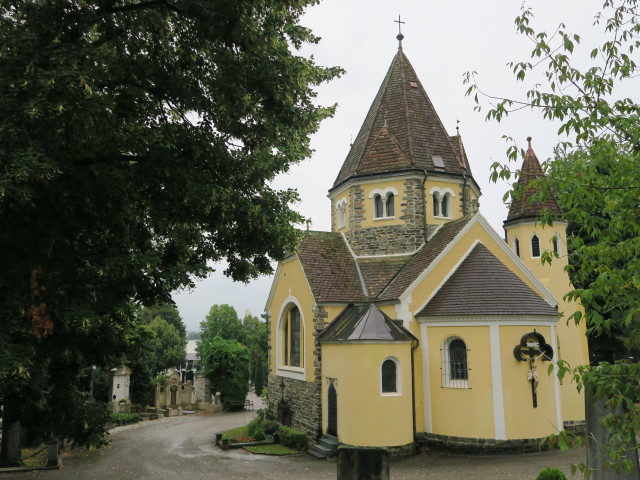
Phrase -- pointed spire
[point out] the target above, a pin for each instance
(523, 207)
(413, 134)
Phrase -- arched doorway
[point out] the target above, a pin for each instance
(332, 406)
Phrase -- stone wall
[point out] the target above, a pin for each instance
(478, 445)
(388, 239)
(304, 398)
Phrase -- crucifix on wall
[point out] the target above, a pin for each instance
(533, 347)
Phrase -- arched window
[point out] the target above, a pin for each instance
(535, 246)
(444, 206)
(389, 205)
(341, 210)
(455, 369)
(516, 246)
(378, 206)
(389, 376)
(292, 339)
(436, 205)
(554, 240)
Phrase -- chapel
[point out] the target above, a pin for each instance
(413, 321)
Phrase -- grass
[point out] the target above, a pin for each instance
(275, 449)
(236, 432)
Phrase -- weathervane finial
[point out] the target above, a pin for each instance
(400, 37)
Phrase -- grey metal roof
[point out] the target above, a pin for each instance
(364, 322)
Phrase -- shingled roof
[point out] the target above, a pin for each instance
(402, 131)
(525, 207)
(482, 285)
(425, 256)
(330, 268)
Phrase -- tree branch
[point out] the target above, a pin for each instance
(143, 5)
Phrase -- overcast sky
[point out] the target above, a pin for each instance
(443, 40)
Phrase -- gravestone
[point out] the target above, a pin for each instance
(119, 401)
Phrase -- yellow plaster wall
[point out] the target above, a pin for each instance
(463, 412)
(572, 339)
(365, 416)
(369, 221)
(521, 419)
(292, 282)
(456, 200)
(335, 198)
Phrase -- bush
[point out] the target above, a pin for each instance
(293, 438)
(124, 418)
(256, 428)
(551, 474)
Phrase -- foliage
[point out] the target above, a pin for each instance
(167, 345)
(137, 142)
(226, 367)
(193, 335)
(166, 311)
(258, 380)
(124, 418)
(256, 428)
(221, 321)
(595, 176)
(551, 474)
(293, 438)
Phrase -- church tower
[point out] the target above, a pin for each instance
(404, 176)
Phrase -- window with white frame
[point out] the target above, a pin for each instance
(390, 376)
(535, 246)
(455, 367)
(383, 203)
(341, 210)
(292, 335)
(442, 202)
(556, 245)
(516, 246)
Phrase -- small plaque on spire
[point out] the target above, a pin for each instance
(400, 37)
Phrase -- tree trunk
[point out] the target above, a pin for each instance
(598, 435)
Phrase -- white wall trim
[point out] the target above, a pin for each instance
(363, 285)
(485, 321)
(496, 380)
(383, 192)
(426, 385)
(442, 191)
(556, 381)
(286, 370)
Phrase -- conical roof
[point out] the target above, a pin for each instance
(402, 131)
(525, 206)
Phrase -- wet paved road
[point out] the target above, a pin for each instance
(182, 448)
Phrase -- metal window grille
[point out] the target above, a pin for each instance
(455, 367)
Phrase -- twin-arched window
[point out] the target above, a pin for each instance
(383, 205)
(441, 201)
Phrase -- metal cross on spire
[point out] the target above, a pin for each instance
(400, 37)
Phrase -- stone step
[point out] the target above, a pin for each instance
(329, 444)
(318, 453)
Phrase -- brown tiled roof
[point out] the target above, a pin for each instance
(421, 260)
(482, 285)
(458, 146)
(401, 130)
(524, 206)
(364, 322)
(330, 268)
(378, 272)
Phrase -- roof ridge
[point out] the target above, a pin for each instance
(403, 57)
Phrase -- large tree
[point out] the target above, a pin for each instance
(137, 139)
(595, 175)
(221, 321)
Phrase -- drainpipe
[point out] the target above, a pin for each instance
(413, 387)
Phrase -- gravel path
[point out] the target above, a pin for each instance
(182, 448)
